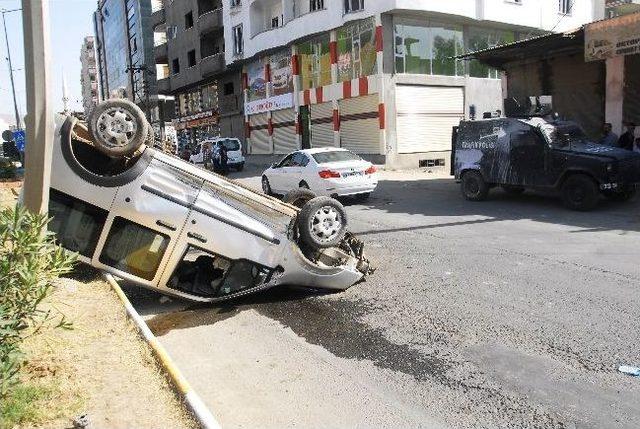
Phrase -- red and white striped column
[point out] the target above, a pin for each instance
(247, 125)
(333, 56)
(268, 92)
(381, 87)
(295, 71)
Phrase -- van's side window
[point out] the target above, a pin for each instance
(77, 224)
(527, 148)
(134, 249)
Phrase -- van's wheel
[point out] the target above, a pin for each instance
(512, 189)
(118, 128)
(473, 186)
(298, 197)
(580, 192)
(322, 222)
(266, 187)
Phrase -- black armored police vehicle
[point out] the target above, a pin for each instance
(531, 148)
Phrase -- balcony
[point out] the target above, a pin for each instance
(161, 53)
(210, 21)
(158, 17)
(164, 86)
(212, 65)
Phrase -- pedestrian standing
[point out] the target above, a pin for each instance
(223, 159)
(627, 139)
(609, 138)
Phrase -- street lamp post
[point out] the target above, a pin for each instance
(13, 87)
(39, 120)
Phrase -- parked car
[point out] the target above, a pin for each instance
(234, 151)
(540, 152)
(324, 171)
(161, 223)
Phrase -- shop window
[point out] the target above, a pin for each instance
(188, 20)
(428, 49)
(191, 58)
(353, 6)
(77, 224)
(134, 249)
(175, 66)
(356, 50)
(481, 38)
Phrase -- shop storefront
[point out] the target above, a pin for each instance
(197, 115)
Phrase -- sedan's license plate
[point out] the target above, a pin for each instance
(352, 173)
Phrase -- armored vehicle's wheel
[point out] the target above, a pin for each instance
(298, 197)
(118, 128)
(513, 190)
(580, 192)
(322, 222)
(473, 186)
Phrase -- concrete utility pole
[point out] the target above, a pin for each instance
(13, 87)
(39, 120)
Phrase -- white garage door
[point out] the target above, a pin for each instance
(359, 125)
(284, 131)
(260, 138)
(426, 116)
(322, 125)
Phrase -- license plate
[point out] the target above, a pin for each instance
(352, 173)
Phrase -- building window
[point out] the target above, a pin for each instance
(356, 50)
(315, 5)
(191, 58)
(238, 43)
(175, 66)
(228, 88)
(564, 6)
(188, 20)
(353, 6)
(275, 22)
(235, 3)
(482, 38)
(428, 49)
(172, 32)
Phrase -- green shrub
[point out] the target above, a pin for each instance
(29, 262)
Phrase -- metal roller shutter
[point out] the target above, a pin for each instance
(322, 133)
(426, 116)
(284, 138)
(260, 139)
(359, 125)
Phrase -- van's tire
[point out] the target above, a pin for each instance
(118, 128)
(298, 197)
(266, 187)
(512, 189)
(580, 192)
(473, 186)
(322, 223)
(624, 195)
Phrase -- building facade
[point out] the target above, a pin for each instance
(88, 75)
(190, 63)
(376, 77)
(125, 58)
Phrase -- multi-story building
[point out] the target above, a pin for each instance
(125, 57)
(190, 58)
(88, 75)
(378, 77)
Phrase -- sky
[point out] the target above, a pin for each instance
(69, 22)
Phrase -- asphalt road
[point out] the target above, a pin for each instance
(512, 312)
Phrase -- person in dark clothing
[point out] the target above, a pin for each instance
(627, 139)
(224, 158)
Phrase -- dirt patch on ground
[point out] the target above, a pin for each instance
(101, 367)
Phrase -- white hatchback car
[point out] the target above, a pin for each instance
(324, 171)
(234, 152)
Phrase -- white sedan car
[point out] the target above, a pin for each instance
(325, 171)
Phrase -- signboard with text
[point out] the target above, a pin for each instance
(277, 102)
(612, 38)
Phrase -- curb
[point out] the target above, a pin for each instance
(194, 403)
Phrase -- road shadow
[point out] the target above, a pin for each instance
(441, 198)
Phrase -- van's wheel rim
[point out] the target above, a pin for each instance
(116, 127)
(325, 224)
